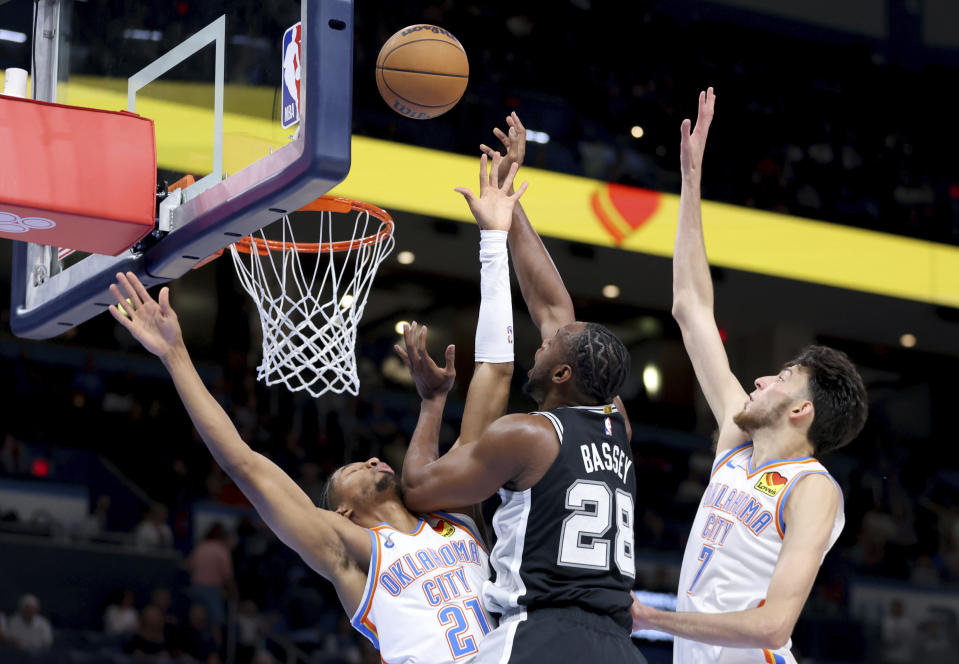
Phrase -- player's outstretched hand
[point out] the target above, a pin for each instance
(154, 324)
(431, 380)
(693, 144)
(514, 140)
(493, 208)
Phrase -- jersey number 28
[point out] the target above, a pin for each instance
(582, 542)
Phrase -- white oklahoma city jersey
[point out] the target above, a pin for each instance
(422, 599)
(734, 545)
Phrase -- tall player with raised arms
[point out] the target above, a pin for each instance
(771, 510)
(564, 554)
(411, 582)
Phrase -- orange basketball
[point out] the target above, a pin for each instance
(422, 71)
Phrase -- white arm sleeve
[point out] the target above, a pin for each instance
(494, 329)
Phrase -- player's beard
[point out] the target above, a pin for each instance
(386, 483)
(753, 420)
(534, 388)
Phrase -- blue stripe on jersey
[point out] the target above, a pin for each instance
(782, 500)
(752, 471)
(728, 455)
(361, 612)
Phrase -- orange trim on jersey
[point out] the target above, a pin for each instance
(763, 469)
(781, 501)
(417, 531)
(727, 456)
(460, 524)
(768, 656)
(364, 617)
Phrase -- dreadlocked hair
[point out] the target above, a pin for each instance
(600, 363)
(838, 397)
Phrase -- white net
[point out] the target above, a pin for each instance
(309, 313)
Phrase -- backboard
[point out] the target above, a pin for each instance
(263, 125)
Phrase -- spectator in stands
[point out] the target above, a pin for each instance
(211, 575)
(153, 532)
(27, 629)
(93, 524)
(196, 637)
(161, 598)
(897, 635)
(15, 457)
(341, 646)
(248, 632)
(150, 641)
(121, 617)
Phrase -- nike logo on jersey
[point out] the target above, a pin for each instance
(606, 457)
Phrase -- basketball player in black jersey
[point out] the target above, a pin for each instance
(564, 553)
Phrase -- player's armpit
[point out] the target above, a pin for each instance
(808, 517)
(475, 471)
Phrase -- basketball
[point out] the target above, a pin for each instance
(422, 71)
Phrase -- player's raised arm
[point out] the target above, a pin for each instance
(488, 391)
(544, 292)
(475, 470)
(693, 287)
(324, 539)
(542, 286)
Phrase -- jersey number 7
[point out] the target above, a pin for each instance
(581, 543)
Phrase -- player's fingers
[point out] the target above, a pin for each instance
(402, 354)
(684, 128)
(487, 150)
(126, 304)
(139, 287)
(129, 290)
(520, 129)
(484, 174)
(494, 170)
(498, 133)
(519, 192)
(510, 176)
(164, 300)
(120, 318)
(408, 331)
(467, 194)
(450, 359)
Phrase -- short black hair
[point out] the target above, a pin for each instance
(838, 397)
(330, 499)
(600, 363)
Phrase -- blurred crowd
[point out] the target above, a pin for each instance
(799, 126)
(902, 518)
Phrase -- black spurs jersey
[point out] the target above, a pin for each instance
(568, 540)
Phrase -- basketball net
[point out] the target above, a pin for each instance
(309, 315)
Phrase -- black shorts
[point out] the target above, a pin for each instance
(566, 634)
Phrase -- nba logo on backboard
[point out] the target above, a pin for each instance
(290, 109)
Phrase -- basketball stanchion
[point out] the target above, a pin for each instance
(309, 315)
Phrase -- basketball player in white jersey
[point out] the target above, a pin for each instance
(410, 582)
(771, 510)
(564, 554)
